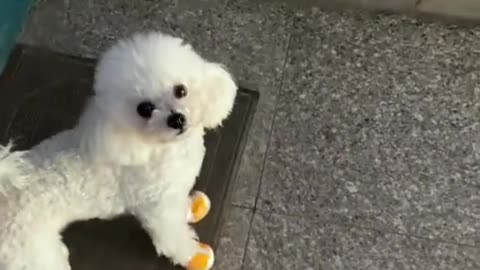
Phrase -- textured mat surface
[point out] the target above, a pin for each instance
(42, 93)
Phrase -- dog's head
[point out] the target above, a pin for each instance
(154, 88)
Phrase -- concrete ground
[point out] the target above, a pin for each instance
(365, 150)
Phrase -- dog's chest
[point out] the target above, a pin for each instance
(179, 161)
(172, 169)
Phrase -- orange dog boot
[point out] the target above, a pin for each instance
(199, 207)
(203, 260)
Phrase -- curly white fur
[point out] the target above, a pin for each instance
(116, 161)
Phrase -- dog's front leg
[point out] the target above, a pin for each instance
(167, 224)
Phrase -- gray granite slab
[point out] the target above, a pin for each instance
(300, 242)
(233, 239)
(253, 44)
(377, 126)
(87, 27)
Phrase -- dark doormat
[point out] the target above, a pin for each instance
(42, 93)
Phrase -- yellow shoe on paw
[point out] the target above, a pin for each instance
(203, 260)
(199, 207)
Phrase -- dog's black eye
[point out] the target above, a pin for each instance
(179, 91)
(145, 109)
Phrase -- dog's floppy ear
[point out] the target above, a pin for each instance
(221, 91)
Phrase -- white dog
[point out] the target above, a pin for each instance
(137, 149)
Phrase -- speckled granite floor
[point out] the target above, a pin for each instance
(365, 149)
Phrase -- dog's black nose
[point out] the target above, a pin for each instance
(176, 121)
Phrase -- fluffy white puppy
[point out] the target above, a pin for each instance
(137, 148)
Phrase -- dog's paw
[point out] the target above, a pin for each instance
(203, 259)
(199, 207)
